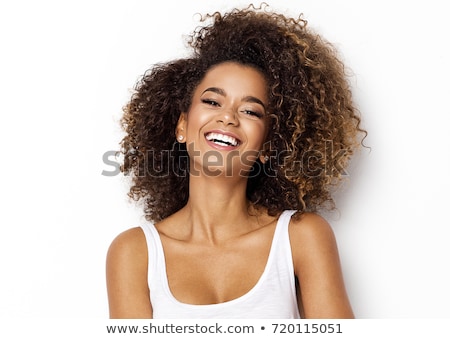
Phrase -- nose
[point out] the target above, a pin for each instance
(228, 117)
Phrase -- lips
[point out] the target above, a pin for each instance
(222, 139)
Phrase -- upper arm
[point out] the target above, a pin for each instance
(126, 276)
(318, 269)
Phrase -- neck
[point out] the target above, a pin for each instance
(217, 207)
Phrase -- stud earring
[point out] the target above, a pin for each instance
(180, 137)
(266, 158)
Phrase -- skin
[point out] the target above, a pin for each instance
(218, 235)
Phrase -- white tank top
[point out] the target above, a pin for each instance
(273, 296)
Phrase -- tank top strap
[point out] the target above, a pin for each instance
(156, 261)
(282, 231)
(285, 218)
(282, 250)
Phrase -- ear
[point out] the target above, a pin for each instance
(263, 157)
(264, 154)
(180, 133)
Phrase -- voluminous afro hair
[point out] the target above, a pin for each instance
(314, 124)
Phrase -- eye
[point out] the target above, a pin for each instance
(252, 113)
(211, 102)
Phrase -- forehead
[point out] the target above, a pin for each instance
(235, 78)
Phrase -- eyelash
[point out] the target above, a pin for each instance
(256, 114)
(246, 111)
(210, 102)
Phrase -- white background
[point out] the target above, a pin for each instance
(66, 70)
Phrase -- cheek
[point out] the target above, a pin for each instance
(194, 121)
(257, 134)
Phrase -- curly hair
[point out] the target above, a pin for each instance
(314, 124)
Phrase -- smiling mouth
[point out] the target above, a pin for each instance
(222, 139)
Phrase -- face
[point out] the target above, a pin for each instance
(227, 122)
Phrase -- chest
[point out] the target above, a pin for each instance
(201, 274)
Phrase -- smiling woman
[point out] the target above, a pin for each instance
(227, 116)
(241, 131)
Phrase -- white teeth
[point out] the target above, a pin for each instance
(222, 139)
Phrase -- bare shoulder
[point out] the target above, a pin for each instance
(126, 275)
(127, 254)
(312, 240)
(309, 230)
(128, 243)
(317, 267)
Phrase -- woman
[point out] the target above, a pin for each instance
(233, 150)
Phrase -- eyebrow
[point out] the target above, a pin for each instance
(247, 98)
(217, 90)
